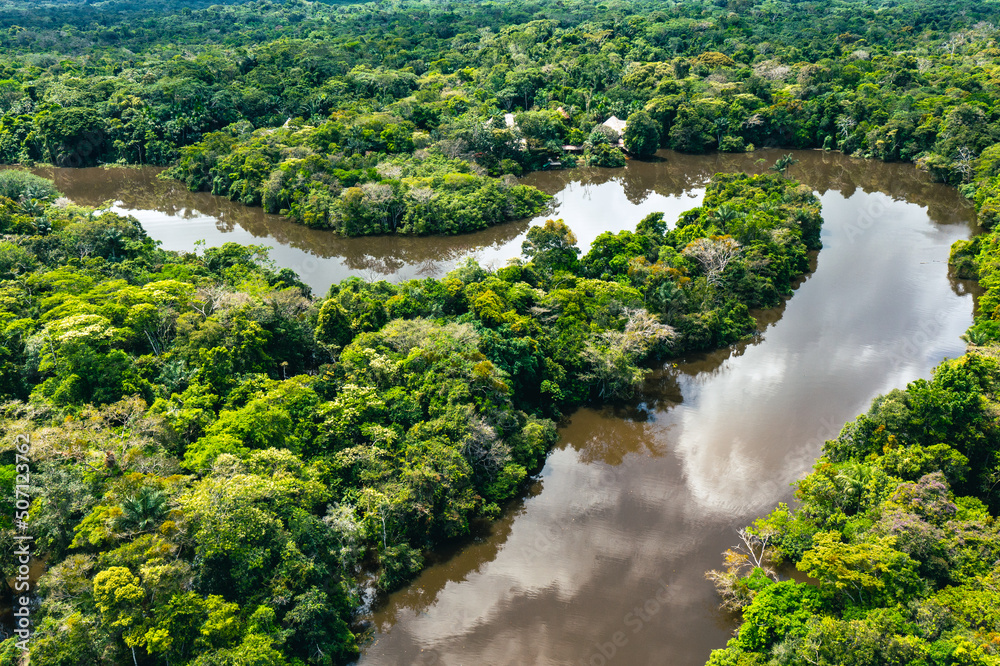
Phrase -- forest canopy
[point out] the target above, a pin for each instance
(371, 119)
(221, 459)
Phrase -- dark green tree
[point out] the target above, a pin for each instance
(642, 134)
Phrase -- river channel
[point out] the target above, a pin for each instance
(603, 560)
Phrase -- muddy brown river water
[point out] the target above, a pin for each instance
(603, 560)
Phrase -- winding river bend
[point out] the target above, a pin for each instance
(602, 561)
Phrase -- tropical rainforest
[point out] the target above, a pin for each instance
(221, 458)
(222, 462)
(390, 118)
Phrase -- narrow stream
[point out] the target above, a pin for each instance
(603, 561)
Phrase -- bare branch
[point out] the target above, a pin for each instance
(713, 254)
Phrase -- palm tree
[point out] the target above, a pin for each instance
(31, 206)
(976, 338)
(115, 240)
(853, 477)
(783, 163)
(725, 214)
(143, 511)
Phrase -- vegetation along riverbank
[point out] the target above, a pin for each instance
(218, 455)
(411, 118)
(896, 527)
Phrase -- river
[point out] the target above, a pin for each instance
(603, 560)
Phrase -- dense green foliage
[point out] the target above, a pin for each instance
(423, 194)
(22, 186)
(220, 456)
(897, 526)
(220, 459)
(390, 118)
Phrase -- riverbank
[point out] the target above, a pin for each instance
(593, 201)
(867, 226)
(393, 415)
(896, 525)
(653, 490)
